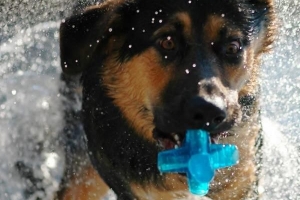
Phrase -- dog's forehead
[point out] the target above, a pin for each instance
(208, 28)
(180, 19)
(204, 17)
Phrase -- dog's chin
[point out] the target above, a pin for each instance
(173, 140)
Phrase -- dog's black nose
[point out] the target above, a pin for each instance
(201, 113)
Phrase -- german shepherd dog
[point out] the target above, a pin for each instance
(152, 69)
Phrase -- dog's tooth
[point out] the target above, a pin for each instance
(176, 137)
(215, 140)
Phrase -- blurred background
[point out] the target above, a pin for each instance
(31, 118)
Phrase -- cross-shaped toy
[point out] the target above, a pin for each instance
(199, 159)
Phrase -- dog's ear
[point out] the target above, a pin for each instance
(81, 34)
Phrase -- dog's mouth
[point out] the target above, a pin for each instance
(174, 140)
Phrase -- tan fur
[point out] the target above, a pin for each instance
(185, 20)
(234, 182)
(181, 18)
(212, 28)
(136, 86)
(86, 185)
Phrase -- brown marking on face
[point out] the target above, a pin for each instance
(185, 20)
(136, 87)
(181, 18)
(237, 75)
(212, 27)
(245, 77)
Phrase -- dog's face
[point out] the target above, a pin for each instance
(174, 66)
(166, 66)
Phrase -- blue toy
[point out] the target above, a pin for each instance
(198, 158)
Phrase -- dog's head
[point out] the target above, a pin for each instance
(174, 65)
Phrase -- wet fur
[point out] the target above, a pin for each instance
(130, 88)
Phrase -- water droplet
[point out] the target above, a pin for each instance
(194, 65)
(110, 29)
(160, 21)
(130, 46)
(137, 11)
(187, 71)
(45, 105)
(223, 15)
(13, 92)
(51, 161)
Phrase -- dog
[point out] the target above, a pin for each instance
(152, 69)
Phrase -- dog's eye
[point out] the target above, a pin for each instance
(167, 43)
(233, 48)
